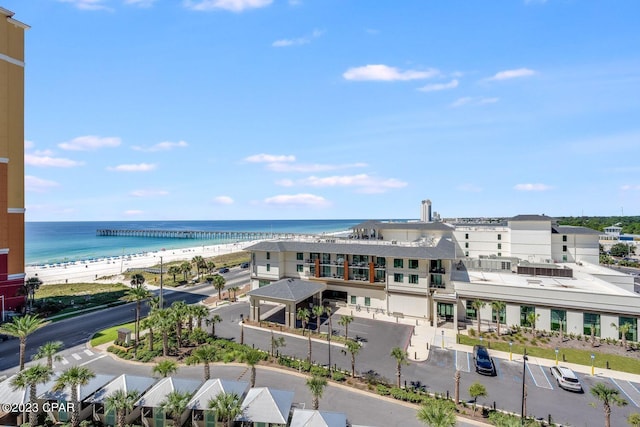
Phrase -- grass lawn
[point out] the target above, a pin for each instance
(68, 298)
(572, 355)
(110, 334)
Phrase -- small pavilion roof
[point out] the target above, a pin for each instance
(295, 290)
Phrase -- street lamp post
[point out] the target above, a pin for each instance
(442, 339)
(593, 358)
(510, 351)
(557, 355)
(161, 300)
(524, 387)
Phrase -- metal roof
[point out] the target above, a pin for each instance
(158, 393)
(21, 395)
(571, 229)
(123, 382)
(415, 225)
(213, 387)
(84, 391)
(264, 405)
(311, 418)
(289, 290)
(531, 218)
(444, 249)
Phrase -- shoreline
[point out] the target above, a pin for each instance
(111, 269)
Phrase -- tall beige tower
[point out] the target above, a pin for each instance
(11, 162)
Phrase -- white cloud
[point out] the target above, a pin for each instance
(381, 72)
(223, 200)
(532, 187)
(439, 86)
(310, 168)
(298, 41)
(310, 200)
(47, 161)
(285, 183)
(38, 185)
(133, 212)
(231, 5)
(87, 4)
(363, 182)
(470, 188)
(148, 193)
(89, 143)
(630, 187)
(142, 167)
(513, 74)
(140, 3)
(269, 158)
(467, 100)
(28, 144)
(161, 146)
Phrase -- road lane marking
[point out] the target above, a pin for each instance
(88, 352)
(75, 356)
(93, 360)
(623, 390)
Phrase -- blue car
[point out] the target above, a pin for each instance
(223, 270)
(482, 360)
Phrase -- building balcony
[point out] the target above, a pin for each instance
(437, 270)
(434, 285)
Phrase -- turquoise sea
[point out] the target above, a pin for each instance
(57, 242)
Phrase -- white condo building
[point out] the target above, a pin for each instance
(435, 270)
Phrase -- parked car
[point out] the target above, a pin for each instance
(244, 265)
(223, 270)
(482, 361)
(566, 378)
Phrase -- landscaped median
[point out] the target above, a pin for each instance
(110, 334)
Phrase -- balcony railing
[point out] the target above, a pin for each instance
(437, 270)
(434, 285)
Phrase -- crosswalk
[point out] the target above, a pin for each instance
(73, 357)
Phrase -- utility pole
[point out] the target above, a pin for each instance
(161, 300)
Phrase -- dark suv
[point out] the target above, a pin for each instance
(482, 360)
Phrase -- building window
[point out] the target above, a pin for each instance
(471, 312)
(314, 256)
(381, 262)
(262, 283)
(499, 253)
(632, 334)
(312, 270)
(367, 301)
(299, 268)
(340, 272)
(564, 258)
(299, 256)
(268, 267)
(398, 277)
(354, 299)
(525, 311)
(326, 258)
(559, 318)
(564, 248)
(503, 315)
(466, 235)
(466, 245)
(499, 236)
(436, 281)
(398, 263)
(268, 255)
(413, 279)
(326, 271)
(499, 245)
(564, 238)
(341, 258)
(591, 320)
(466, 253)
(413, 264)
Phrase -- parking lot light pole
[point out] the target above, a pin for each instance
(557, 356)
(510, 351)
(593, 358)
(524, 387)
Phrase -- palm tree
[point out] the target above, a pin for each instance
(31, 285)
(227, 406)
(199, 312)
(73, 378)
(49, 350)
(22, 327)
(456, 393)
(199, 262)
(344, 321)
(353, 347)
(137, 294)
(218, 285)
(401, 357)
(179, 312)
(205, 354)
(317, 311)
(121, 402)
(251, 357)
(185, 269)
(175, 404)
(634, 420)
(303, 315)
(210, 267)
(608, 396)
(328, 310)
(477, 390)
(234, 289)
(276, 343)
(623, 330)
(477, 306)
(165, 368)
(149, 323)
(532, 317)
(438, 413)
(498, 306)
(31, 377)
(174, 270)
(212, 321)
(165, 324)
(316, 386)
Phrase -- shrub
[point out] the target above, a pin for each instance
(319, 371)
(383, 390)
(472, 332)
(338, 376)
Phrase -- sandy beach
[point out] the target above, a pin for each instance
(109, 270)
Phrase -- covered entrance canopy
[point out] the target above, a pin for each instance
(289, 292)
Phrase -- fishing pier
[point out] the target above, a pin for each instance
(200, 234)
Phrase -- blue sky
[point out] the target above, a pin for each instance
(276, 109)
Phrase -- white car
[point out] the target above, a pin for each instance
(566, 378)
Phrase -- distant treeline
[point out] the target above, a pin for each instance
(629, 224)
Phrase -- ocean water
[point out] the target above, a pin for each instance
(56, 242)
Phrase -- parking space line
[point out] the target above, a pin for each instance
(621, 387)
(496, 364)
(546, 377)
(459, 365)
